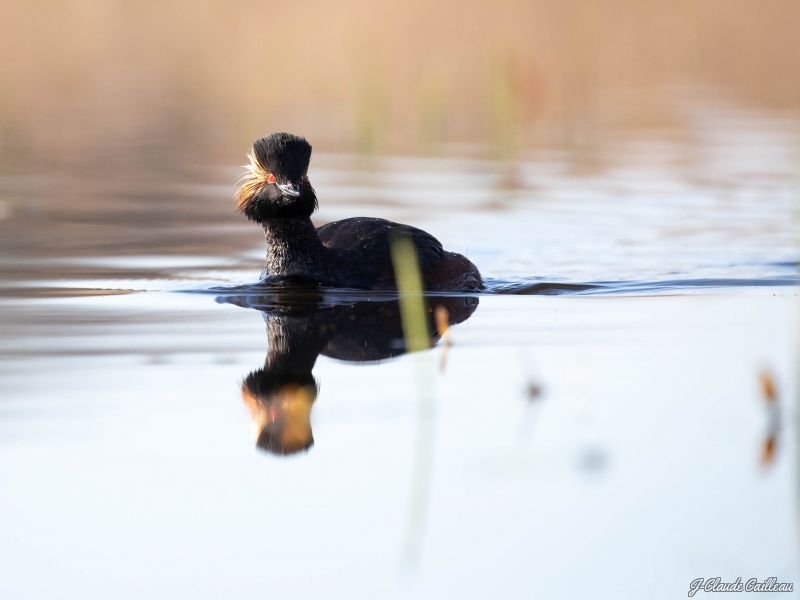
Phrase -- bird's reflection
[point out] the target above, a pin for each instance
(301, 325)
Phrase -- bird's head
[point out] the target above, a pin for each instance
(276, 184)
(280, 407)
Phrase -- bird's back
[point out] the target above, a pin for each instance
(372, 237)
(364, 244)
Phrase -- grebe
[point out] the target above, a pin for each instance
(351, 253)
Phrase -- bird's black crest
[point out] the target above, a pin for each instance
(283, 154)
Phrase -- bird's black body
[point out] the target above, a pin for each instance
(352, 253)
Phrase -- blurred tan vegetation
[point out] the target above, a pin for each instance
(149, 83)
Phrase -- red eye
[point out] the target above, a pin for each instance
(271, 178)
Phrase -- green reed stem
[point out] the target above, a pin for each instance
(409, 284)
(417, 337)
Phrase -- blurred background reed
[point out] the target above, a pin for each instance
(151, 84)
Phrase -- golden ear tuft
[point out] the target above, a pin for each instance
(251, 183)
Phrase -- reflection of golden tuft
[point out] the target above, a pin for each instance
(251, 183)
(282, 419)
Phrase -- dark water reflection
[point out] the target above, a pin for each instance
(280, 395)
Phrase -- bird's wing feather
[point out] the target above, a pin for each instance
(371, 237)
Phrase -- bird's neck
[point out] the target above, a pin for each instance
(293, 346)
(293, 248)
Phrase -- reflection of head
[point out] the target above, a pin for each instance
(280, 407)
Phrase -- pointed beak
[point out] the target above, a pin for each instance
(290, 188)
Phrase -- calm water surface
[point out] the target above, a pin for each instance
(616, 442)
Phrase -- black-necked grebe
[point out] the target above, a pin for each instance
(352, 253)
